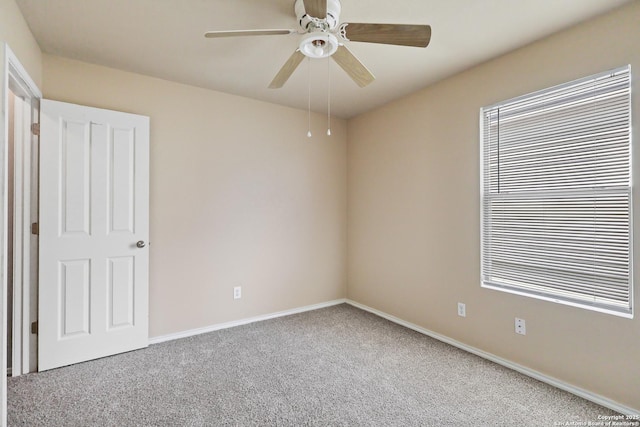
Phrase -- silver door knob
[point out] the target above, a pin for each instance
(140, 244)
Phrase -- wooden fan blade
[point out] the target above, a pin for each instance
(397, 34)
(354, 68)
(287, 69)
(316, 8)
(236, 33)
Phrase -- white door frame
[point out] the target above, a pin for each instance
(24, 214)
(18, 80)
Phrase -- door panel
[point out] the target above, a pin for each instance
(121, 291)
(94, 191)
(74, 296)
(74, 168)
(121, 181)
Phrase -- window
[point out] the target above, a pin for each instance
(556, 194)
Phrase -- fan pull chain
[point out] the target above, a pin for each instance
(309, 97)
(328, 95)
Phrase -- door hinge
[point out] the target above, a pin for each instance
(35, 229)
(34, 327)
(35, 129)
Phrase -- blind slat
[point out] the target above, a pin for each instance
(556, 199)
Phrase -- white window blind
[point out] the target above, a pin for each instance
(556, 193)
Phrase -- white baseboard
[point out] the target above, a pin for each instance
(600, 400)
(217, 327)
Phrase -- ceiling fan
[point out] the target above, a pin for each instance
(323, 36)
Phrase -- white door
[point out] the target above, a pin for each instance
(94, 226)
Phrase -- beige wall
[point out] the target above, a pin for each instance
(239, 196)
(15, 32)
(414, 219)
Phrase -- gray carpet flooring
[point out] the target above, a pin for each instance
(338, 366)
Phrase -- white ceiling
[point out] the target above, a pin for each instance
(164, 38)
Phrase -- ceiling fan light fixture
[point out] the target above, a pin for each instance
(318, 45)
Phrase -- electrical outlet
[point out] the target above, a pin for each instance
(237, 292)
(521, 327)
(462, 309)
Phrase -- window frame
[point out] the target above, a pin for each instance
(541, 295)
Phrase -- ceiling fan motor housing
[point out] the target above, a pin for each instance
(310, 23)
